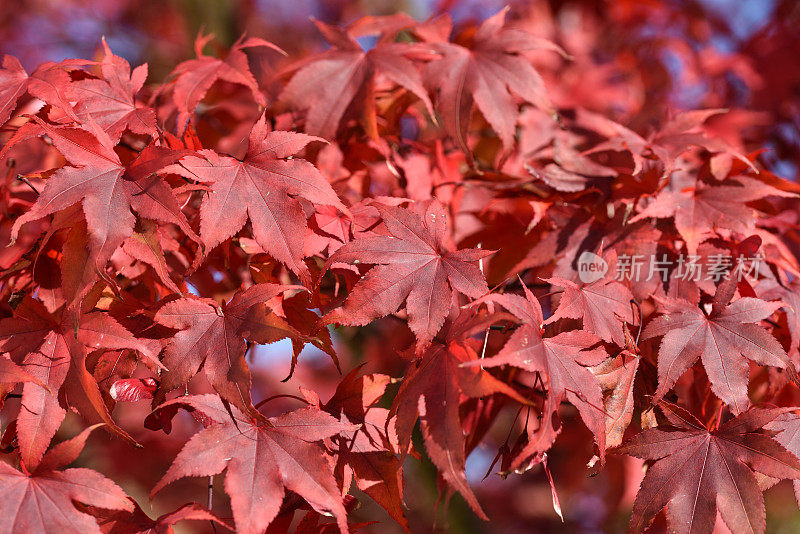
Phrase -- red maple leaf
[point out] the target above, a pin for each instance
(617, 376)
(328, 83)
(432, 390)
(603, 305)
(417, 263)
(108, 192)
(47, 83)
(42, 499)
(667, 143)
(263, 187)
(790, 294)
(723, 339)
(194, 77)
(53, 348)
(698, 471)
(110, 103)
(787, 432)
(141, 523)
(367, 451)
(486, 69)
(563, 360)
(214, 337)
(699, 209)
(13, 83)
(262, 458)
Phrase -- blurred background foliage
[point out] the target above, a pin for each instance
(656, 55)
(737, 54)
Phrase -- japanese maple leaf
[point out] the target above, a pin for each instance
(684, 131)
(11, 373)
(262, 188)
(570, 171)
(49, 83)
(214, 337)
(193, 78)
(787, 432)
(78, 270)
(13, 83)
(139, 522)
(52, 348)
(107, 192)
(617, 375)
(723, 339)
(146, 247)
(674, 138)
(417, 263)
(332, 228)
(367, 451)
(563, 360)
(699, 209)
(263, 459)
(698, 472)
(328, 83)
(110, 102)
(432, 391)
(488, 71)
(42, 499)
(299, 311)
(790, 294)
(603, 305)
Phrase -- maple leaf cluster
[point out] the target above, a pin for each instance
(419, 212)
